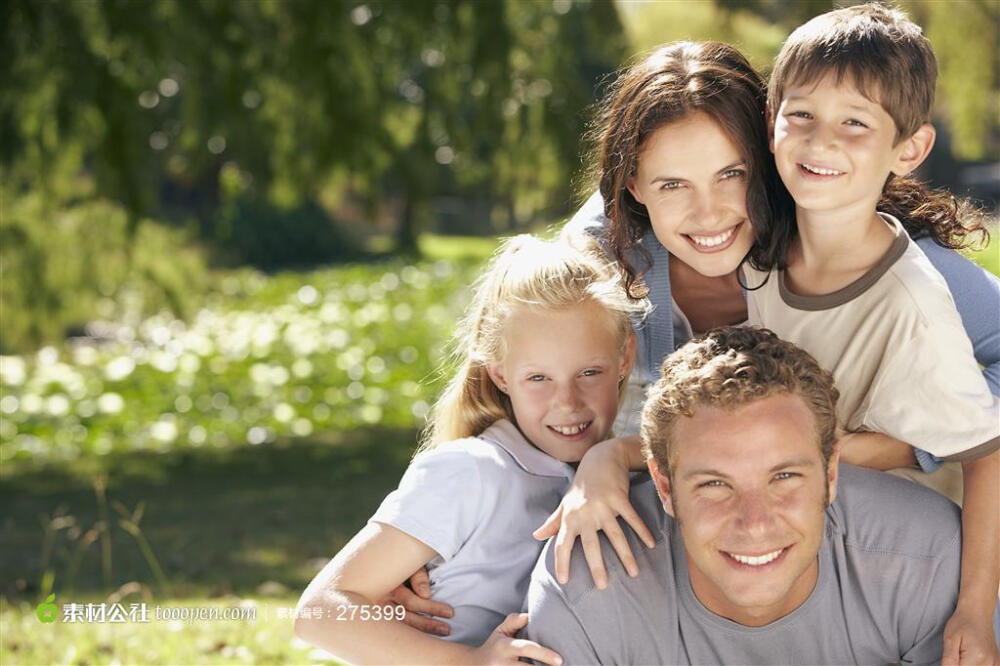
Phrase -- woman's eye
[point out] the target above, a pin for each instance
(670, 185)
(536, 378)
(734, 173)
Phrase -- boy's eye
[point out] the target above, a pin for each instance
(855, 123)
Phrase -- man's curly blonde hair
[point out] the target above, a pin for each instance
(728, 368)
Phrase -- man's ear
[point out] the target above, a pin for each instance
(914, 150)
(497, 376)
(833, 470)
(662, 485)
(769, 112)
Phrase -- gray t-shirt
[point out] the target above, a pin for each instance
(887, 584)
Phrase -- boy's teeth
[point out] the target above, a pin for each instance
(756, 560)
(712, 241)
(821, 172)
(571, 429)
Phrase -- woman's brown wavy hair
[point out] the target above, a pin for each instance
(666, 86)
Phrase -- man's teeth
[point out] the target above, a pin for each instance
(756, 560)
(820, 171)
(712, 241)
(571, 429)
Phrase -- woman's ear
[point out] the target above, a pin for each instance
(496, 376)
(633, 190)
(769, 112)
(914, 150)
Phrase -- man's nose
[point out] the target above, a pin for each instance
(755, 513)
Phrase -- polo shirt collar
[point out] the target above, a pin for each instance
(533, 460)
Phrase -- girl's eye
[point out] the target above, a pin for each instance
(591, 373)
(804, 115)
(536, 378)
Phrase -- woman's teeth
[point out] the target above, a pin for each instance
(713, 241)
(571, 429)
(756, 560)
(820, 171)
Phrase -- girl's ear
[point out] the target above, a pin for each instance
(496, 376)
(913, 151)
(628, 358)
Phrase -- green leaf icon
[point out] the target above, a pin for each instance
(47, 611)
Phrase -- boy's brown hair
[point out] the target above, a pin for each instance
(884, 53)
(886, 56)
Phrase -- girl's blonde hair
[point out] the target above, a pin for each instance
(525, 272)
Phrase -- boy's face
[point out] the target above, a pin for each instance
(834, 147)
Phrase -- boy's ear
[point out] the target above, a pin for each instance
(769, 112)
(497, 377)
(662, 483)
(914, 150)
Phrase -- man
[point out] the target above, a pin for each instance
(763, 554)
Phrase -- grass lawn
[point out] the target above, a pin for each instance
(248, 525)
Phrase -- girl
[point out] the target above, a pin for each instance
(545, 352)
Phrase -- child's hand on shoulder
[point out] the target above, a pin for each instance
(968, 639)
(598, 495)
(502, 648)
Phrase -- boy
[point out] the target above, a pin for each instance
(849, 103)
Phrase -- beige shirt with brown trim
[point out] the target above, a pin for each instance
(897, 349)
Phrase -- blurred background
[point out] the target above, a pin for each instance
(234, 240)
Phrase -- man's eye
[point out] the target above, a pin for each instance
(781, 476)
(714, 483)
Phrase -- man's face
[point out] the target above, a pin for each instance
(749, 491)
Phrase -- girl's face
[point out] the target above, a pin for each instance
(693, 181)
(562, 370)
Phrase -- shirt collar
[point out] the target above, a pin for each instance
(533, 460)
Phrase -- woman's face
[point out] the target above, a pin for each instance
(693, 181)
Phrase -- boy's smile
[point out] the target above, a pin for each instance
(834, 147)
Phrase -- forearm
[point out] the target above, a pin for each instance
(875, 450)
(631, 450)
(369, 641)
(980, 535)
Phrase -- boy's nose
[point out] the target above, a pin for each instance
(822, 137)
